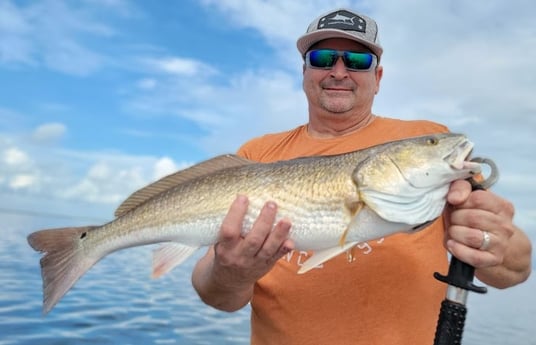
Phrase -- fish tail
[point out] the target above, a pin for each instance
(64, 260)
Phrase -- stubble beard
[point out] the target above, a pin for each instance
(336, 105)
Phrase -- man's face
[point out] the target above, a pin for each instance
(338, 90)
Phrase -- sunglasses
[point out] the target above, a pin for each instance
(327, 58)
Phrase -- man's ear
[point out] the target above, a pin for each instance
(379, 75)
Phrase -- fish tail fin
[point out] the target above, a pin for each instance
(63, 262)
(168, 256)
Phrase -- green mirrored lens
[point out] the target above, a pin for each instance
(358, 61)
(322, 58)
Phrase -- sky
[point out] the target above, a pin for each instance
(100, 97)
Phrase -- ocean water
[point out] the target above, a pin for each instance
(117, 303)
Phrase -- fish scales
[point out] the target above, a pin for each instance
(314, 201)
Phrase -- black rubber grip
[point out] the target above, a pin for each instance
(449, 329)
(460, 275)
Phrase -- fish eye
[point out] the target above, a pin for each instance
(432, 141)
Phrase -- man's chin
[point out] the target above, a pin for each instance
(337, 107)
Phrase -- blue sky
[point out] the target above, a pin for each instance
(100, 97)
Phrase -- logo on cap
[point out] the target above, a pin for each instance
(342, 20)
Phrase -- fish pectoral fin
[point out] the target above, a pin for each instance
(354, 207)
(342, 240)
(324, 255)
(169, 256)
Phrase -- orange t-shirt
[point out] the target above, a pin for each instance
(387, 295)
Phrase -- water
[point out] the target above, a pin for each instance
(117, 303)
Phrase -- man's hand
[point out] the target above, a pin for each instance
(225, 276)
(506, 260)
(243, 260)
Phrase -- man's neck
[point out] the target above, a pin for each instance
(334, 127)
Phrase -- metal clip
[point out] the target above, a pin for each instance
(493, 176)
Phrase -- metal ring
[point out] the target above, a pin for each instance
(494, 174)
(486, 240)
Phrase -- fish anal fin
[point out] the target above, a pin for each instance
(142, 195)
(322, 256)
(169, 256)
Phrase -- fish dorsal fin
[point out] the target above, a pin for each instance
(204, 168)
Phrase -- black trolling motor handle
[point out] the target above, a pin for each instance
(451, 321)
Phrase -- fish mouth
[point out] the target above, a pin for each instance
(459, 158)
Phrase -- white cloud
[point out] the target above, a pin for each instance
(56, 175)
(48, 132)
(99, 171)
(22, 181)
(163, 167)
(179, 66)
(15, 157)
(105, 182)
(110, 178)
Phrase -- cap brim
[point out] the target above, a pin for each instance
(306, 41)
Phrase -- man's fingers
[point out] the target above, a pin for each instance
(260, 230)
(469, 236)
(460, 195)
(276, 244)
(472, 218)
(262, 245)
(458, 192)
(486, 200)
(232, 223)
(474, 257)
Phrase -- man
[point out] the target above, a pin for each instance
(387, 295)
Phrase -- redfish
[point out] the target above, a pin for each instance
(332, 202)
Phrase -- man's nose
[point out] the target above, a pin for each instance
(339, 70)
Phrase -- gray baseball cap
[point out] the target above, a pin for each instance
(342, 23)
